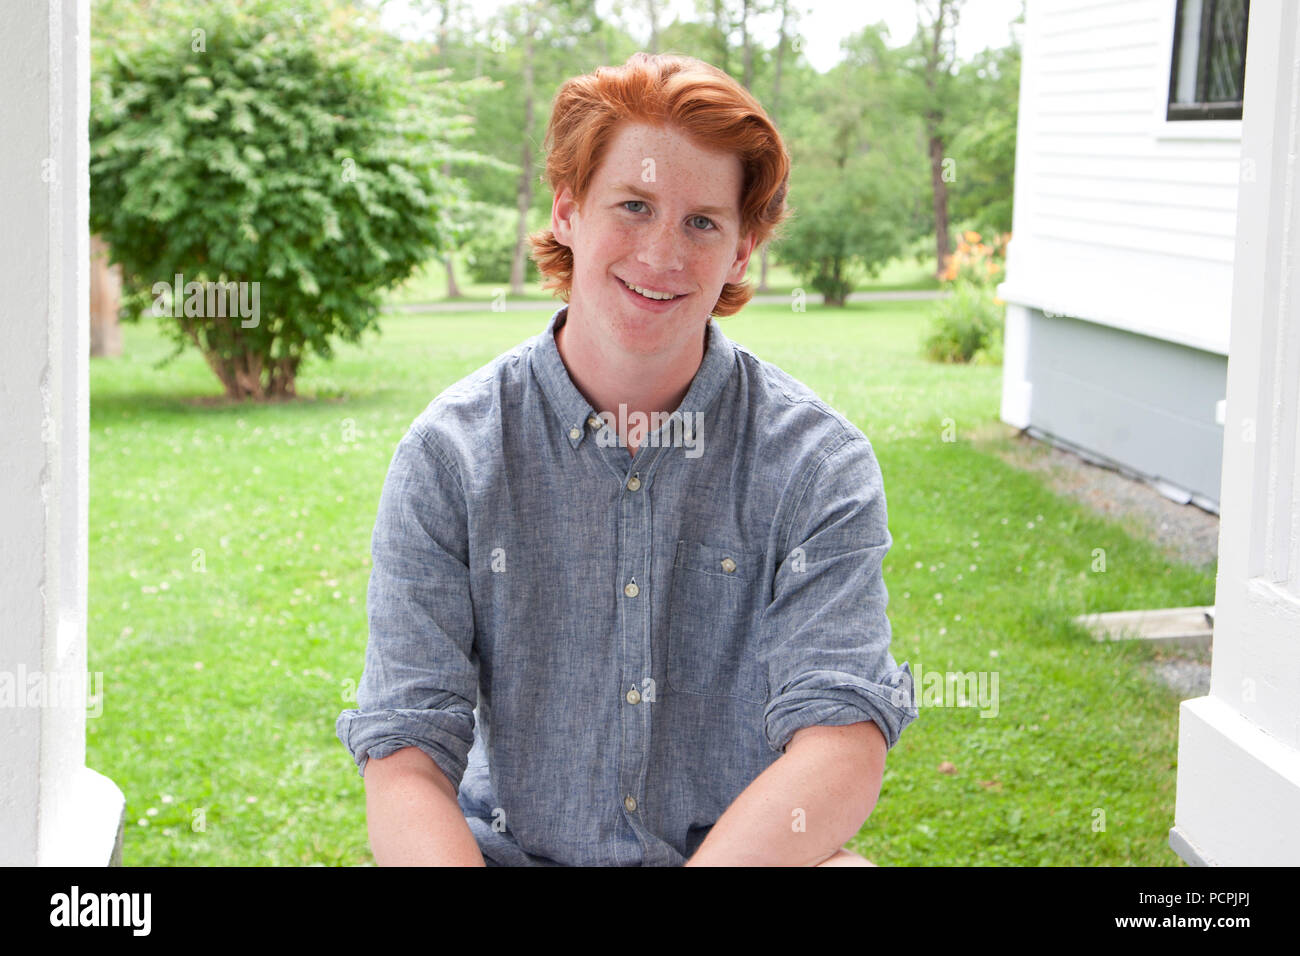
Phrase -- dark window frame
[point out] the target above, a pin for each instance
(1201, 110)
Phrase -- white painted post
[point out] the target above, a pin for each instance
(53, 809)
(1238, 799)
(1017, 390)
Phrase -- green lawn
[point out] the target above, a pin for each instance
(229, 561)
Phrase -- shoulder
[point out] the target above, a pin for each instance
(822, 466)
(463, 422)
(786, 417)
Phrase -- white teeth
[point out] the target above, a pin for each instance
(648, 294)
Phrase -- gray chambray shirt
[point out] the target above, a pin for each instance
(600, 651)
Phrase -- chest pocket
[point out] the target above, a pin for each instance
(715, 604)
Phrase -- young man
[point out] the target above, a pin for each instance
(674, 632)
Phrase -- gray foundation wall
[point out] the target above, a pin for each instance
(1145, 405)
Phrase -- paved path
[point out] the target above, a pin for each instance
(529, 305)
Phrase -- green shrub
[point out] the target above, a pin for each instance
(288, 149)
(990, 353)
(490, 249)
(964, 323)
(967, 325)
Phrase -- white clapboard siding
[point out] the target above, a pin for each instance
(1121, 217)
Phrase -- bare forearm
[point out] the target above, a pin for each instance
(803, 807)
(413, 816)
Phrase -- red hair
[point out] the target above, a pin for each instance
(663, 89)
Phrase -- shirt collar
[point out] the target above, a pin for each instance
(576, 415)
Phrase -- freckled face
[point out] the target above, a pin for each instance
(662, 214)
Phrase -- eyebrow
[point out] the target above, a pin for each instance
(711, 210)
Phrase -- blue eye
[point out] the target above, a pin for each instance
(708, 227)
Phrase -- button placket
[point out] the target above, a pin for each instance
(634, 508)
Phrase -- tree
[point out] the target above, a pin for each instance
(840, 228)
(285, 155)
(535, 44)
(932, 97)
(446, 11)
(774, 111)
(854, 170)
(984, 146)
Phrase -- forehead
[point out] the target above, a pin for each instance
(666, 160)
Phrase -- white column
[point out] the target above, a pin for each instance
(53, 809)
(1238, 799)
(1017, 389)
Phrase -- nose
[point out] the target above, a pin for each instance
(661, 248)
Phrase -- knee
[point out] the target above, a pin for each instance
(846, 857)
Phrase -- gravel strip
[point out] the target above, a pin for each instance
(1185, 533)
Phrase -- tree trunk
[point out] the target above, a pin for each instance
(747, 63)
(652, 11)
(519, 264)
(839, 293)
(105, 301)
(239, 368)
(453, 290)
(776, 103)
(721, 29)
(938, 65)
(940, 191)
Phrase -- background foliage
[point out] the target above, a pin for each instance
(967, 326)
(295, 147)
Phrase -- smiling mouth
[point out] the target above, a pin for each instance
(656, 297)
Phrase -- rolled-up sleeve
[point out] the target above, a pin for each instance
(420, 682)
(825, 636)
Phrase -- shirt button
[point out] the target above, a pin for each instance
(594, 422)
(633, 697)
(630, 803)
(632, 590)
(575, 432)
(634, 483)
(728, 565)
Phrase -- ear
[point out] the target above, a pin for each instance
(563, 212)
(743, 252)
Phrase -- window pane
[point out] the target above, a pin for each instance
(1189, 45)
(1227, 50)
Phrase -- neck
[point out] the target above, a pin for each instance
(608, 377)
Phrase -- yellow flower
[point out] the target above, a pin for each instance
(971, 236)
